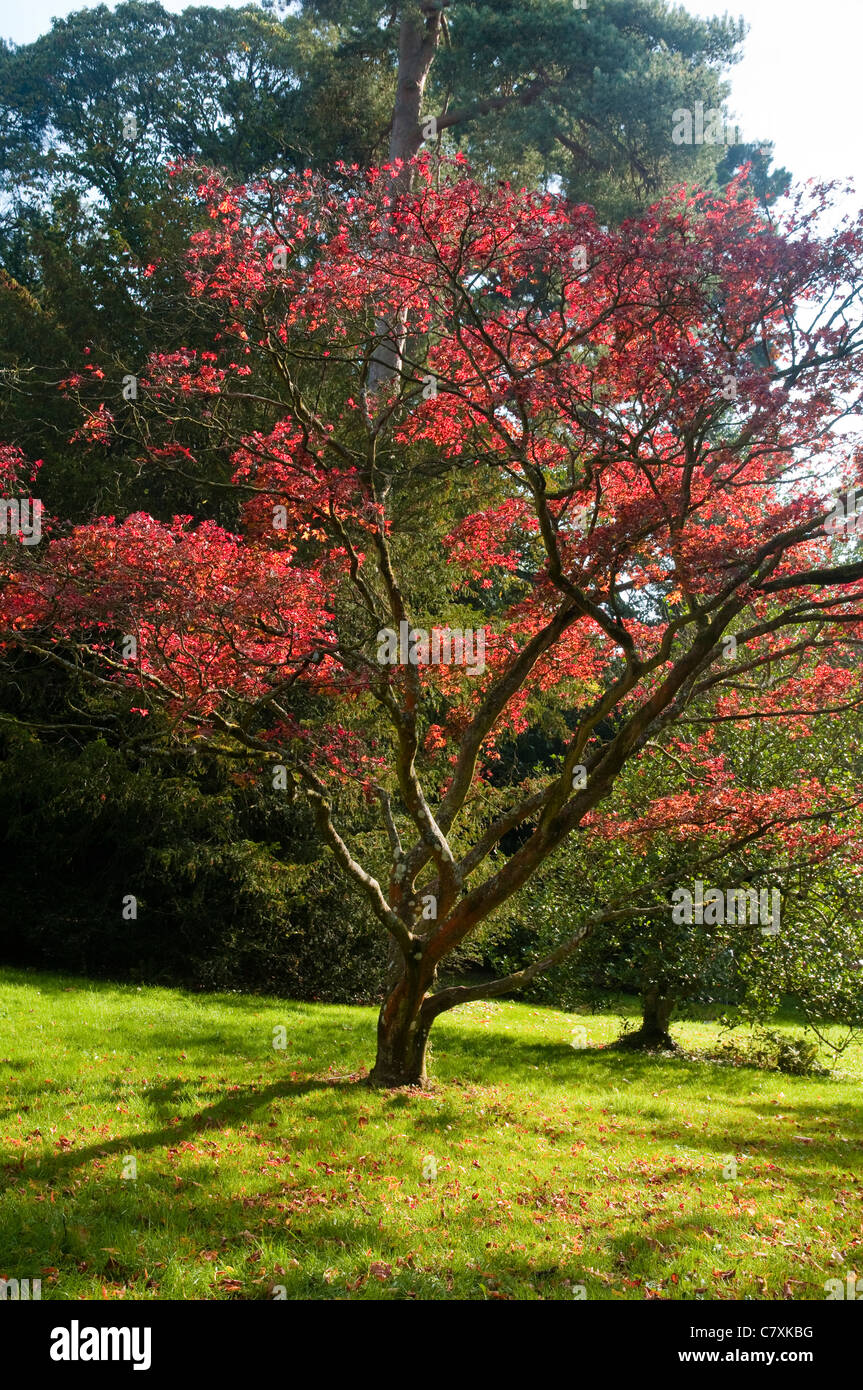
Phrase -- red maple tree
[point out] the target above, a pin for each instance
(606, 453)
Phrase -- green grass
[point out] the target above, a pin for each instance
(258, 1168)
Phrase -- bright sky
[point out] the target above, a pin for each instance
(799, 81)
(797, 85)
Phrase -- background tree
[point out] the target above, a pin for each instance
(811, 858)
(93, 112)
(537, 89)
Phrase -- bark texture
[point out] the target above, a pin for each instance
(419, 34)
(653, 1035)
(403, 1031)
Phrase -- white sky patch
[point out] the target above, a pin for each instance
(798, 82)
(24, 23)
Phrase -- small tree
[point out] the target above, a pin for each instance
(773, 810)
(586, 478)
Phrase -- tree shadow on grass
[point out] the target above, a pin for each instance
(494, 1055)
(227, 1112)
(497, 1055)
(323, 1226)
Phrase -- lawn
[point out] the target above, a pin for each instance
(529, 1168)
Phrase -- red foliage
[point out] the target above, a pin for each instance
(612, 468)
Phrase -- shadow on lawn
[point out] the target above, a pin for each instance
(238, 1106)
(495, 1055)
(814, 1167)
(312, 1220)
(642, 1256)
(331, 1241)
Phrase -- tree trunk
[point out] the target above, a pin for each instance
(401, 1056)
(653, 1034)
(402, 1037)
(419, 34)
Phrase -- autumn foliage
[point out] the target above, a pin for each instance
(612, 451)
